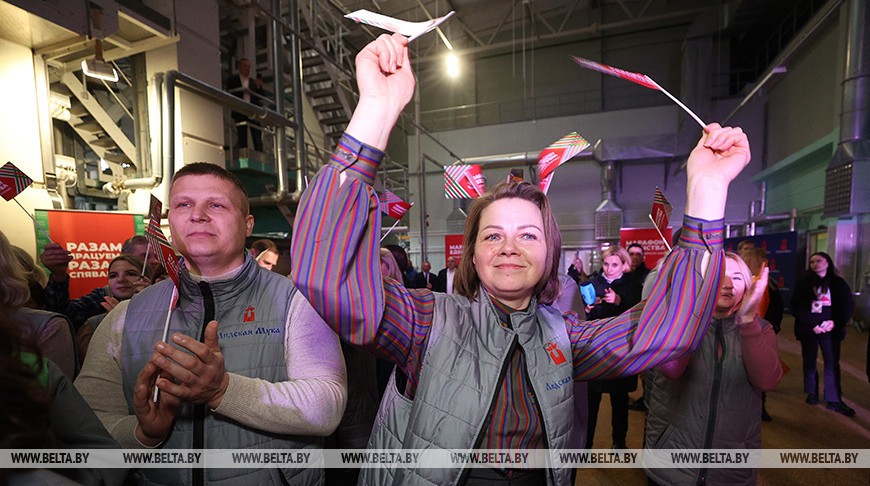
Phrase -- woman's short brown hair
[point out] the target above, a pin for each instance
(467, 282)
(133, 260)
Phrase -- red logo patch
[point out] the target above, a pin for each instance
(249, 314)
(555, 354)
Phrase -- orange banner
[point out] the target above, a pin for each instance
(93, 238)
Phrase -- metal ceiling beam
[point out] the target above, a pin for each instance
(591, 29)
(500, 25)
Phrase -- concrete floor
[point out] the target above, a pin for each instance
(795, 425)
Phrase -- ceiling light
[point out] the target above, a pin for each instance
(452, 65)
(97, 68)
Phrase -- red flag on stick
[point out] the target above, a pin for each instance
(557, 154)
(393, 205)
(660, 215)
(641, 79)
(163, 249)
(463, 182)
(12, 181)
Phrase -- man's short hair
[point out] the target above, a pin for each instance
(204, 168)
(264, 244)
(127, 247)
(636, 245)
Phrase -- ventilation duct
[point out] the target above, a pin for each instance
(608, 215)
(847, 178)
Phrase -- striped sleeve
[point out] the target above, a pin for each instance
(669, 323)
(336, 262)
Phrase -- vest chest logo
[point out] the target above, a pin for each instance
(555, 354)
(249, 314)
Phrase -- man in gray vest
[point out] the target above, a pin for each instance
(247, 363)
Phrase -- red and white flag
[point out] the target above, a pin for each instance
(641, 79)
(556, 154)
(12, 181)
(660, 214)
(463, 182)
(163, 249)
(393, 205)
(412, 30)
(155, 210)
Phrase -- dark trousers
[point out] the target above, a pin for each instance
(242, 132)
(618, 417)
(830, 346)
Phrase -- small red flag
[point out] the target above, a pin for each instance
(557, 154)
(393, 205)
(12, 181)
(638, 78)
(163, 249)
(463, 182)
(156, 210)
(661, 213)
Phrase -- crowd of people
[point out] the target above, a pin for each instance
(465, 358)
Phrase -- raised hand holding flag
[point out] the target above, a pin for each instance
(641, 79)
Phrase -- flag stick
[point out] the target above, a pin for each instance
(34, 220)
(145, 263)
(391, 227)
(166, 334)
(679, 103)
(667, 244)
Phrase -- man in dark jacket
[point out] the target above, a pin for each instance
(246, 87)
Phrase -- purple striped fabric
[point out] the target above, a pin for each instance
(336, 266)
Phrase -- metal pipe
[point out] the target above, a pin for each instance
(267, 116)
(280, 138)
(513, 159)
(804, 35)
(155, 160)
(296, 71)
(421, 179)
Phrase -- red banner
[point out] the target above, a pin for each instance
(653, 246)
(453, 246)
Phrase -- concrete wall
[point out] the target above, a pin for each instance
(19, 142)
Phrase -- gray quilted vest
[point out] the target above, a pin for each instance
(251, 309)
(461, 371)
(711, 406)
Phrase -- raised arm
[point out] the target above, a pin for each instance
(673, 319)
(335, 252)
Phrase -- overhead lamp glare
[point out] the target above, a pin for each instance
(452, 65)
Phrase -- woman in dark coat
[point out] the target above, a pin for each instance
(822, 305)
(616, 291)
